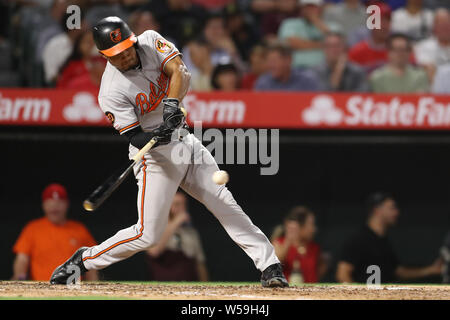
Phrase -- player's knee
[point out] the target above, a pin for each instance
(149, 239)
(147, 242)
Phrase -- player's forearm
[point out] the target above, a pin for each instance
(179, 82)
(138, 138)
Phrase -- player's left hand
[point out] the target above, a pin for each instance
(163, 133)
(172, 114)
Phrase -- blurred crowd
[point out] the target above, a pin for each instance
(297, 45)
(46, 242)
(367, 255)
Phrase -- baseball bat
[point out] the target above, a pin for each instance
(102, 193)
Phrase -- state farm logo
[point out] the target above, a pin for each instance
(215, 111)
(24, 109)
(375, 111)
(322, 110)
(83, 107)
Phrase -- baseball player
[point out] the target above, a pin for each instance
(141, 91)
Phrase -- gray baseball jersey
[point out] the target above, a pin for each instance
(133, 98)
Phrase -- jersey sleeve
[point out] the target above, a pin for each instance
(25, 241)
(119, 112)
(164, 50)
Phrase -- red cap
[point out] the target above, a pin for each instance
(385, 9)
(54, 191)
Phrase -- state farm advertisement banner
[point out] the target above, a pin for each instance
(243, 109)
(50, 107)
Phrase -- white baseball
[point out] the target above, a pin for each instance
(220, 177)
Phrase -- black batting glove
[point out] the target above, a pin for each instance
(163, 133)
(172, 114)
(139, 138)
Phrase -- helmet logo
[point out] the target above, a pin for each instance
(116, 35)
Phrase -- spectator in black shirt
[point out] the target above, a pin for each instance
(370, 246)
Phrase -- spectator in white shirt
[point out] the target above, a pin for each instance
(441, 80)
(435, 50)
(413, 20)
(58, 49)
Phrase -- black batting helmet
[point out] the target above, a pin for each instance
(112, 36)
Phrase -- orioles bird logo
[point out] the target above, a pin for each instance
(162, 46)
(110, 116)
(116, 35)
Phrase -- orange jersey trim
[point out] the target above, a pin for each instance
(168, 58)
(121, 46)
(129, 126)
(141, 231)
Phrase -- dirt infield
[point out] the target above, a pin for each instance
(107, 290)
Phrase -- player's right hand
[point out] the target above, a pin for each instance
(172, 114)
(173, 117)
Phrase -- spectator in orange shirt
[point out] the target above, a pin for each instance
(47, 242)
(296, 245)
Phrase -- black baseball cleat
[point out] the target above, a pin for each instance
(273, 277)
(63, 272)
